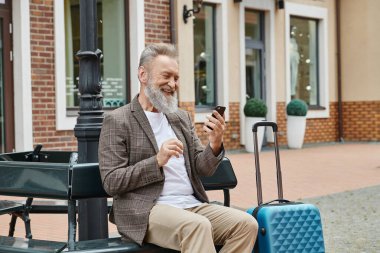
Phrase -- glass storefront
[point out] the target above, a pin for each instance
(204, 57)
(303, 57)
(2, 98)
(112, 42)
(254, 51)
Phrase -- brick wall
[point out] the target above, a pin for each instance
(361, 121)
(323, 130)
(43, 85)
(317, 130)
(157, 21)
(188, 106)
(281, 123)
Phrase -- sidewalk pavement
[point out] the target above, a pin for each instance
(351, 220)
(308, 172)
(315, 173)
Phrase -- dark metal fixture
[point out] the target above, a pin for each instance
(187, 13)
(92, 216)
(280, 4)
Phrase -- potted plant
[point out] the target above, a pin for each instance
(296, 111)
(254, 110)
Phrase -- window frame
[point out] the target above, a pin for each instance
(7, 95)
(316, 106)
(22, 77)
(268, 9)
(66, 120)
(320, 14)
(260, 46)
(207, 108)
(221, 65)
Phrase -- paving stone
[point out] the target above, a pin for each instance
(351, 220)
(343, 180)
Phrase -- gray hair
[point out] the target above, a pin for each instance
(154, 50)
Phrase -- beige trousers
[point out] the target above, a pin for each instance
(196, 230)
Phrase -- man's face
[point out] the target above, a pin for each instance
(162, 84)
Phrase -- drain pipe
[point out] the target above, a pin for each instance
(173, 34)
(339, 69)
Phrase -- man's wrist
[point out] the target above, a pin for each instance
(158, 161)
(216, 147)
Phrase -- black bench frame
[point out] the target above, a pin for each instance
(223, 179)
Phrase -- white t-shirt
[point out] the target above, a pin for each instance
(177, 190)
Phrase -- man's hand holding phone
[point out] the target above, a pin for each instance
(215, 127)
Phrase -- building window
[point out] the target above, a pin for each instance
(303, 56)
(254, 54)
(205, 57)
(2, 95)
(111, 40)
(307, 54)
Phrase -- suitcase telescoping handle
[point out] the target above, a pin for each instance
(257, 160)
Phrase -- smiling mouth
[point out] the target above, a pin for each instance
(168, 91)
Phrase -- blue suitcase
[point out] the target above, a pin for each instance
(284, 226)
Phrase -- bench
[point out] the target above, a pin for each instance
(56, 175)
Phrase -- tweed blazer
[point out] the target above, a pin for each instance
(129, 169)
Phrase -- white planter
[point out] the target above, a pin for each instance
(295, 131)
(249, 146)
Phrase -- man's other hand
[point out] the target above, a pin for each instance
(171, 147)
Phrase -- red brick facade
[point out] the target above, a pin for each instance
(43, 79)
(281, 122)
(157, 21)
(361, 119)
(317, 130)
(232, 135)
(188, 106)
(323, 130)
(361, 122)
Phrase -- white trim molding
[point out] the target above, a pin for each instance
(137, 44)
(63, 122)
(222, 56)
(136, 23)
(268, 6)
(320, 14)
(22, 76)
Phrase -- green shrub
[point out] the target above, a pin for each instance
(255, 108)
(296, 107)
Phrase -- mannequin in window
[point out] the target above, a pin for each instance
(294, 61)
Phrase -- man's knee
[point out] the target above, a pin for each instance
(202, 223)
(249, 224)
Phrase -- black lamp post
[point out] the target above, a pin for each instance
(92, 212)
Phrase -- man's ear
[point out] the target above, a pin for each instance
(142, 75)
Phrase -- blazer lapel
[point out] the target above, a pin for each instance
(141, 118)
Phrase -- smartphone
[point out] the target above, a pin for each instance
(220, 109)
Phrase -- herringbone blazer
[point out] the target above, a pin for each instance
(129, 169)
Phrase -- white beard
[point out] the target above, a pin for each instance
(161, 102)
